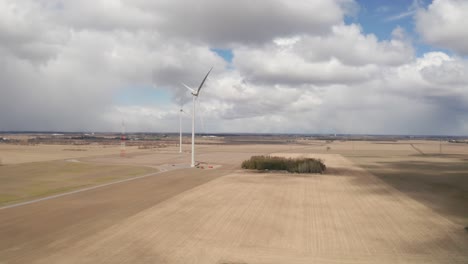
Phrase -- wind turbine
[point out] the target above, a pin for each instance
(194, 96)
(180, 128)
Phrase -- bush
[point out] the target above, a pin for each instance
(298, 165)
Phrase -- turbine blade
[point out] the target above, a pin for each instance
(188, 87)
(204, 79)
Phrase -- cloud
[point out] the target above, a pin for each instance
(344, 56)
(25, 33)
(411, 10)
(447, 71)
(244, 21)
(99, 15)
(405, 98)
(71, 85)
(297, 67)
(443, 24)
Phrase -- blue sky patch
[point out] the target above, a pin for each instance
(381, 17)
(226, 54)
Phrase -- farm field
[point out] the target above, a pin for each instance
(439, 180)
(367, 208)
(22, 182)
(15, 154)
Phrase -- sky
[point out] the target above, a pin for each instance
(280, 66)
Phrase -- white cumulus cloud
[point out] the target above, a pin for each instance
(443, 24)
(297, 67)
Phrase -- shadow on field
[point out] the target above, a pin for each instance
(442, 186)
(434, 245)
(437, 155)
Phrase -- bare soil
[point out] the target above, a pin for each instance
(227, 215)
(345, 216)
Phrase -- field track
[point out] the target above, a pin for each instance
(195, 216)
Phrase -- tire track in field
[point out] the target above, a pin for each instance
(417, 149)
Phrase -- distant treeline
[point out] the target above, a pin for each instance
(459, 141)
(297, 165)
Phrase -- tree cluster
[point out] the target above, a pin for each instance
(297, 165)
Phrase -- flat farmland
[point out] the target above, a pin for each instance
(26, 181)
(228, 215)
(433, 173)
(15, 154)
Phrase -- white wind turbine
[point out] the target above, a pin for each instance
(195, 95)
(180, 128)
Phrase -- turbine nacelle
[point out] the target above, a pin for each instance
(197, 92)
(192, 91)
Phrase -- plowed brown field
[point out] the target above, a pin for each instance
(226, 215)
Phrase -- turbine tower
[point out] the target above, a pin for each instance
(194, 96)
